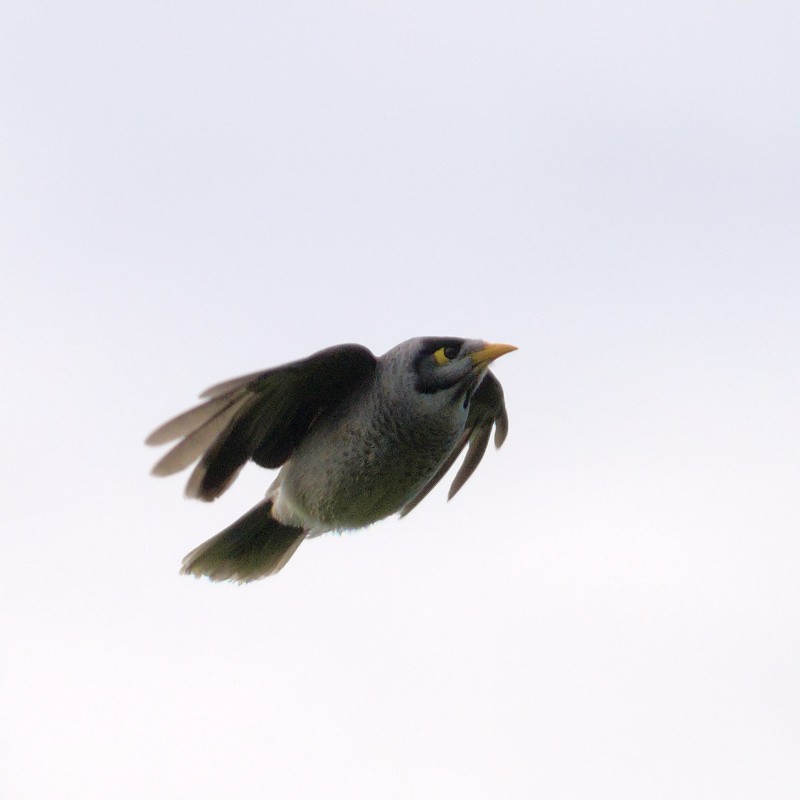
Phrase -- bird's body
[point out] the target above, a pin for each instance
(357, 439)
(363, 461)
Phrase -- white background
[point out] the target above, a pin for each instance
(609, 608)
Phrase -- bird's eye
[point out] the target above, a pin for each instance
(445, 354)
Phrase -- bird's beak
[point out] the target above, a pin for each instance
(489, 352)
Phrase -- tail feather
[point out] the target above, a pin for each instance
(256, 545)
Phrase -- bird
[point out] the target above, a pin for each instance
(357, 438)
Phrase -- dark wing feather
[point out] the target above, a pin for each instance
(262, 416)
(487, 408)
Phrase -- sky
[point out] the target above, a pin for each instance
(609, 608)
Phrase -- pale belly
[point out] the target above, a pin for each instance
(346, 477)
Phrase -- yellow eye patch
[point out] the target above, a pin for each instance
(440, 357)
(444, 355)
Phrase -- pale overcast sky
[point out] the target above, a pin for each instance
(609, 608)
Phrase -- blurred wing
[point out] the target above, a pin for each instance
(486, 409)
(261, 416)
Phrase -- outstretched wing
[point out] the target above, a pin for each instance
(487, 409)
(261, 416)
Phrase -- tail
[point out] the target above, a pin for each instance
(256, 545)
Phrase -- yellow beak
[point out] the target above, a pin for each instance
(489, 352)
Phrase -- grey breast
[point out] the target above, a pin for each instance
(367, 458)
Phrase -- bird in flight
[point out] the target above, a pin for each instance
(357, 438)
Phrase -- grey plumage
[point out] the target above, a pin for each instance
(357, 438)
(487, 408)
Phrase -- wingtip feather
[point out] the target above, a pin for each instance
(189, 421)
(500, 429)
(190, 448)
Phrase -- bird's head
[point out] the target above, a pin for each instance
(447, 367)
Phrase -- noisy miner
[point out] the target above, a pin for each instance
(357, 438)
